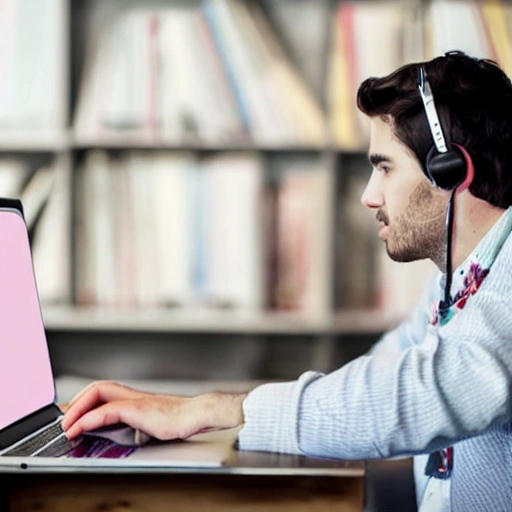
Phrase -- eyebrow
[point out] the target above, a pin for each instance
(377, 158)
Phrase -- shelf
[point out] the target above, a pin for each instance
(201, 321)
(137, 142)
(215, 322)
(34, 140)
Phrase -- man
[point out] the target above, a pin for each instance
(440, 385)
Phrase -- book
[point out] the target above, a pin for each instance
(304, 223)
(232, 219)
(382, 22)
(301, 26)
(497, 29)
(51, 240)
(32, 87)
(95, 238)
(174, 212)
(355, 28)
(226, 114)
(35, 193)
(141, 193)
(303, 116)
(128, 100)
(140, 79)
(124, 294)
(341, 81)
(456, 25)
(357, 246)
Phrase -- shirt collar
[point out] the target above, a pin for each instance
(471, 272)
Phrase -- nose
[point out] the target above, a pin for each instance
(372, 197)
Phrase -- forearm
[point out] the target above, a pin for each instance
(219, 410)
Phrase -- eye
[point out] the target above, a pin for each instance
(381, 167)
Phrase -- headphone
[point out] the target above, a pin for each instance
(446, 166)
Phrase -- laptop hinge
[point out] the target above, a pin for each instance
(29, 424)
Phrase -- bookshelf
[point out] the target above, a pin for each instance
(219, 322)
(35, 141)
(257, 91)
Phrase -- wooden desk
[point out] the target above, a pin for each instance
(250, 482)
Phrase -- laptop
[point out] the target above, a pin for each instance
(31, 435)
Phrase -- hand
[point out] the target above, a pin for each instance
(163, 417)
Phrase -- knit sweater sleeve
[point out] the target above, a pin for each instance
(453, 384)
(270, 410)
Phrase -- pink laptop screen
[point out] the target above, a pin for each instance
(26, 380)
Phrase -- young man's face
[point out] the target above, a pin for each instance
(411, 211)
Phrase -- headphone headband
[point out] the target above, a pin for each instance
(430, 109)
(445, 165)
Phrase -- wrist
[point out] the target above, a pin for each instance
(223, 410)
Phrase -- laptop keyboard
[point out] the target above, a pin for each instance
(51, 442)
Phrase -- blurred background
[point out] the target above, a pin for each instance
(191, 174)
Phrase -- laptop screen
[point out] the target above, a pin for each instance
(26, 379)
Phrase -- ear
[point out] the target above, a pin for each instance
(470, 169)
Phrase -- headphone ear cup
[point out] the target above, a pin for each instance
(446, 170)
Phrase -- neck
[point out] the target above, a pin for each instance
(473, 219)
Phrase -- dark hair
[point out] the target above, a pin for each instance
(473, 98)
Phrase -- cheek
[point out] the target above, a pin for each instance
(425, 201)
(406, 195)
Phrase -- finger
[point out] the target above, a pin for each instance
(89, 399)
(85, 389)
(107, 414)
(127, 412)
(98, 384)
(95, 395)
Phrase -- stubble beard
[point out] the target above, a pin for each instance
(419, 231)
